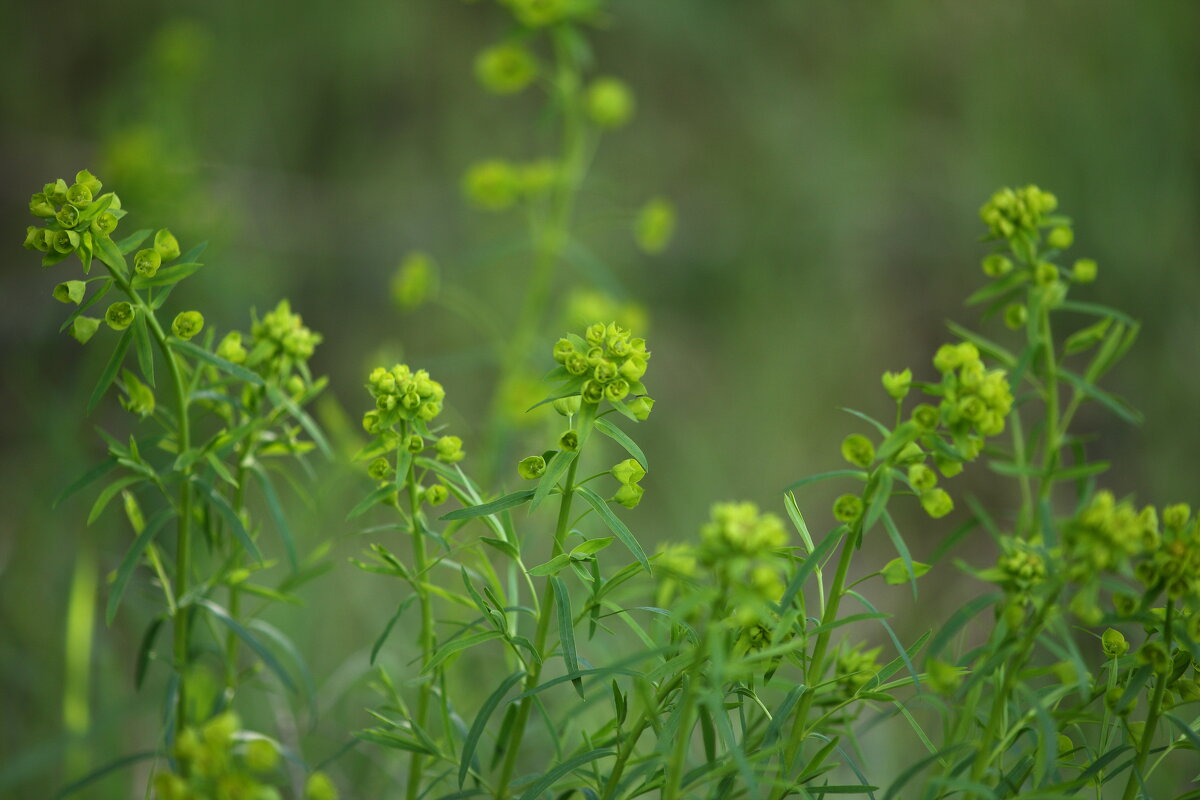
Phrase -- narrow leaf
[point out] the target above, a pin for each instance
(110, 370)
(615, 525)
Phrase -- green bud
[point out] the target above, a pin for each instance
(260, 755)
(655, 225)
(70, 292)
(1113, 643)
(634, 367)
(187, 324)
(104, 224)
(1015, 316)
(371, 423)
(84, 328)
(379, 469)
(848, 508)
(415, 443)
(921, 477)
(944, 678)
(609, 102)
(926, 417)
(146, 262)
(41, 206)
(505, 68)
(79, 195)
(166, 245)
(1084, 270)
(1176, 517)
(1154, 654)
(567, 406)
(641, 407)
(937, 503)
(569, 441)
(231, 348)
(449, 449)
(66, 241)
(1060, 238)
(89, 180)
(629, 471)
(320, 787)
(617, 391)
(858, 450)
(119, 316)
(56, 192)
(629, 495)
(563, 349)
(947, 466)
(416, 281)
(435, 495)
(220, 730)
(492, 185)
(593, 392)
(531, 468)
(68, 216)
(897, 384)
(996, 265)
(1045, 274)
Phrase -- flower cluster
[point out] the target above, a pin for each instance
(1175, 562)
(497, 185)
(1106, 534)
(401, 394)
(1013, 211)
(607, 363)
(739, 543)
(855, 668)
(76, 215)
(975, 400)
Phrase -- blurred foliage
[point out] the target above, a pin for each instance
(804, 146)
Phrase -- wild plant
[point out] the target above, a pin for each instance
(214, 424)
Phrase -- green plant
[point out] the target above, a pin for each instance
(233, 417)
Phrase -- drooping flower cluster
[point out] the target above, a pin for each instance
(607, 363)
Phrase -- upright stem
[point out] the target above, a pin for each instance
(1152, 716)
(421, 563)
(235, 596)
(539, 638)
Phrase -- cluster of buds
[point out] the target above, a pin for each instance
(739, 545)
(856, 668)
(281, 339)
(1010, 212)
(975, 400)
(401, 395)
(219, 760)
(607, 363)
(76, 215)
(497, 185)
(1175, 562)
(1105, 535)
(1019, 570)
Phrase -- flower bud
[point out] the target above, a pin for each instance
(505, 68)
(1113, 643)
(84, 328)
(1084, 270)
(415, 443)
(531, 467)
(371, 423)
(634, 368)
(569, 441)
(858, 450)
(847, 508)
(1155, 655)
(146, 262)
(104, 224)
(577, 364)
(89, 180)
(166, 245)
(629, 495)
(1015, 316)
(231, 348)
(449, 449)
(567, 406)
(563, 349)
(593, 392)
(416, 281)
(996, 266)
(655, 225)
(379, 469)
(260, 755)
(492, 185)
(1060, 238)
(617, 391)
(79, 195)
(596, 334)
(1045, 274)
(70, 292)
(66, 241)
(1176, 517)
(937, 503)
(897, 384)
(40, 239)
(641, 407)
(926, 417)
(320, 787)
(921, 477)
(67, 216)
(119, 316)
(609, 102)
(629, 471)
(187, 324)
(435, 495)
(41, 206)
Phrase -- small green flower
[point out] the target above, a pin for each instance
(35, 239)
(492, 185)
(449, 449)
(592, 392)
(609, 102)
(1060, 237)
(66, 241)
(641, 407)
(166, 245)
(655, 225)
(1176, 516)
(379, 469)
(187, 324)
(937, 503)
(41, 206)
(231, 348)
(67, 216)
(567, 406)
(997, 265)
(1113, 643)
(119, 316)
(70, 292)
(506, 68)
(531, 468)
(90, 181)
(858, 450)
(139, 397)
(897, 384)
(629, 495)
(1045, 274)
(104, 224)
(320, 787)
(260, 755)
(922, 477)
(617, 391)
(629, 471)
(416, 281)
(146, 262)
(79, 195)
(569, 441)
(926, 417)
(435, 495)
(84, 328)
(1015, 316)
(415, 443)
(1084, 270)
(848, 508)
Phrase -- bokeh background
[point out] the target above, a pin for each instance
(827, 161)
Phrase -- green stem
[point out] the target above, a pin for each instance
(545, 610)
(235, 595)
(1152, 716)
(625, 748)
(683, 734)
(428, 645)
(1052, 434)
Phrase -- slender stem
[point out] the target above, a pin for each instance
(1052, 435)
(235, 595)
(428, 645)
(625, 749)
(539, 639)
(683, 734)
(1152, 715)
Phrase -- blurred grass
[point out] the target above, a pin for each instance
(827, 160)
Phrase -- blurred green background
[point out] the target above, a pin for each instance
(827, 160)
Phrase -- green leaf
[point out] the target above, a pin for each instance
(143, 653)
(109, 493)
(897, 571)
(1113, 403)
(167, 275)
(809, 564)
(566, 629)
(590, 547)
(268, 658)
(145, 354)
(480, 724)
(551, 567)
(86, 479)
(554, 470)
(301, 416)
(824, 476)
(100, 772)
(370, 500)
(111, 255)
(276, 510)
(133, 241)
(620, 437)
(960, 618)
(132, 556)
(394, 741)
(110, 371)
(458, 645)
(96, 297)
(615, 525)
(387, 630)
(500, 504)
(552, 776)
(241, 373)
(910, 569)
(222, 507)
